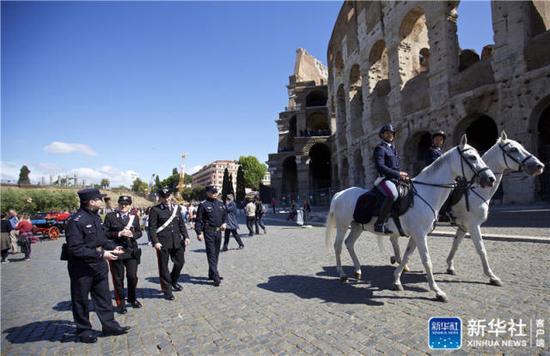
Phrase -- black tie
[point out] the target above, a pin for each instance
(125, 219)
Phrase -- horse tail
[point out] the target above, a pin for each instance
(330, 225)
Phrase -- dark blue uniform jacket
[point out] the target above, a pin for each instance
(387, 161)
(86, 238)
(433, 154)
(211, 214)
(171, 236)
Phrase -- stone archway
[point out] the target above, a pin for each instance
(356, 102)
(316, 98)
(543, 133)
(319, 173)
(416, 152)
(414, 47)
(358, 170)
(289, 184)
(481, 130)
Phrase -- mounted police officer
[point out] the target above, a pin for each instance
(166, 229)
(436, 150)
(211, 221)
(388, 164)
(87, 249)
(124, 229)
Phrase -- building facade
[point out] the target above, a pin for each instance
(212, 174)
(400, 63)
(301, 168)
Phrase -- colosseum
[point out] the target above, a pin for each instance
(400, 62)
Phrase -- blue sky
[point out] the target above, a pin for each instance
(121, 89)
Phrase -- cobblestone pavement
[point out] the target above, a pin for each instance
(281, 295)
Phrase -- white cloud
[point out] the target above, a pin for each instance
(63, 147)
(194, 169)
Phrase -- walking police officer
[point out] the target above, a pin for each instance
(124, 229)
(435, 151)
(166, 229)
(388, 164)
(211, 221)
(87, 250)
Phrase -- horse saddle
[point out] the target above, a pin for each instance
(369, 203)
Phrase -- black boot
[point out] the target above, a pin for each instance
(385, 210)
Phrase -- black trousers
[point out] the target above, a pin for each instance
(259, 223)
(5, 254)
(86, 279)
(177, 255)
(213, 241)
(250, 225)
(235, 234)
(117, 273)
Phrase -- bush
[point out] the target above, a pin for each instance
(38, 200)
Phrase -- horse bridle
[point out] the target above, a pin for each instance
(505, 154)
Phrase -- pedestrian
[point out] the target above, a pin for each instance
(232, 223)
(24, 227)
(250, 209)
(88, 249)
(293, 212)
(14, 233)
(259, 215)
(169, 237)
(210, 222)
(124, 229)
(274, 205)
(5, 228)
(307, 211)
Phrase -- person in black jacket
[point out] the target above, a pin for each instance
(435, 151)
(211, 221)
(388, 164)
(124, 229)
(87, 249)
(166, 229)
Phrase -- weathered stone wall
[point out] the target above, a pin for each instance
(412, 73)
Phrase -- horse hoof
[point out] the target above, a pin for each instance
(496, 282)
(343, 279)
(357, 275)
(393, 260)
(398, 287)
(441, 298)
(406, 268)
(451, 271)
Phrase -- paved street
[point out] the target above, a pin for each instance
(281, 295)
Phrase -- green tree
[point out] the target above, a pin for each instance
(139, 186)
(24, 176)
(225, 184)
(188, 178)
(175, 171)
(104, 183)
(157, 182)
(231, 189)
(240, 186)
(198, 193)
(254, 171)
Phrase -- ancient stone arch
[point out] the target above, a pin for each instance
(379, 69)
(540, 119)
(319, 167)
(316, 98)
(318, 124)
(414, 45)
(289, 185)
(481, 129)
(416, 151)
(356, 102)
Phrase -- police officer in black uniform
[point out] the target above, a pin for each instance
(435, 151)
(210, 222)
(124, 229)
(166, 229)
(87, 250)
(388, 164)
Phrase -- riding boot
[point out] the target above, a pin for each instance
(385, 210)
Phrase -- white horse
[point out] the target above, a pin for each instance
(505, 155)
(432, 187)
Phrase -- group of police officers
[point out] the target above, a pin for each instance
(90, 243)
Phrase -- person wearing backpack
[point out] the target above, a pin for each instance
(259, 215)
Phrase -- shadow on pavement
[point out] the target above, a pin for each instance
(184, 278)
(48, 330)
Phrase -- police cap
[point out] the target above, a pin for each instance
(90, 194)
(164, 192)
(211, 189)
(125, 199)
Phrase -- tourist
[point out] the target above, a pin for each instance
(232, 223)
(250, 209)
